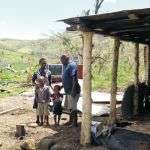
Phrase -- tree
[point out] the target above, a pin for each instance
(98, 4)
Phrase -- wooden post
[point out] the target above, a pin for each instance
(87, 102)
(148, 65)
(20, 131)
(136, 78)
(112, 118)
(147, 78)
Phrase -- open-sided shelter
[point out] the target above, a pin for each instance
(127, 25)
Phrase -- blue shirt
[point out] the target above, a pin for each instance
(69, 73)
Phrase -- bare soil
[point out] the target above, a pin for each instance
(24, 114)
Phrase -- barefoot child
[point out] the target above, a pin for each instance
(35, 104)
(42, 97)
(57, 100)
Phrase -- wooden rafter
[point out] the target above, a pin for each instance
(129, 25)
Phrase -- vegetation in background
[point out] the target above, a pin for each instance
(19, 59)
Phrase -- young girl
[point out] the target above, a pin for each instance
(57, 100)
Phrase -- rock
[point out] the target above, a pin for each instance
(93, 148)
(12, 113)
(21, 138)
(1, 144)
(45, 144)
(61, 147)
(33, 125)
(15, 147)
(28, 145)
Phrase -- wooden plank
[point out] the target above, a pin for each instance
(109, 16)
(9, 110)
(148, 64)
(112, 118)
(118, 24)
(134, 30)
(105, 102)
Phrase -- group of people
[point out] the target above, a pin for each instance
(42, 81)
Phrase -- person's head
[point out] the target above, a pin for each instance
(57, 89)
(40, 81)
(64, 59)
(42, 62)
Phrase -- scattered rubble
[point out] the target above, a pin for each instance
(28, 145)
(45, 144)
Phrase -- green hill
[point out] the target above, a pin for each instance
(19, 59)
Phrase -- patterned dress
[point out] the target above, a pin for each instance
(57, 100)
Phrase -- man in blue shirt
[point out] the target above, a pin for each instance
(71, 87)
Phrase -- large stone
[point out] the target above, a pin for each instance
(1, 144)
(93, 148)
(28, 145)
(61, 147)
(32, 125)
(15, 147)
(45, 144)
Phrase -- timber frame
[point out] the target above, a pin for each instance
(127, 25)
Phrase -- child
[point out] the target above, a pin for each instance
(42, 97)
(35, 103)
(57, 100)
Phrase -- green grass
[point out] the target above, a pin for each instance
(12, 78)
(102, 80)
(24, 55)
(13, 90)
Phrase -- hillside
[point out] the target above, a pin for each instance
(19, 59)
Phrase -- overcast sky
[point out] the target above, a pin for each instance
(31, 19)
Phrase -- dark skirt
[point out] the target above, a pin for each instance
(57, 108)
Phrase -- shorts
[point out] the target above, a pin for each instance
(72, 101)
(57, 109)
(42, 109)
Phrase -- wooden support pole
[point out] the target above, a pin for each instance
(148, 65)
(87, 102)
(136, 78)
(147, 77)
(112, 118)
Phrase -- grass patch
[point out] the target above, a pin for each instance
(12, 90)
(102, 80)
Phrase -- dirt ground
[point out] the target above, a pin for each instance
(24, 114)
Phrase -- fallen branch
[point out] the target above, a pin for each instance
(9, 110)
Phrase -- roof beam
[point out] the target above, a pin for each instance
(142, 30)
(115, 24)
